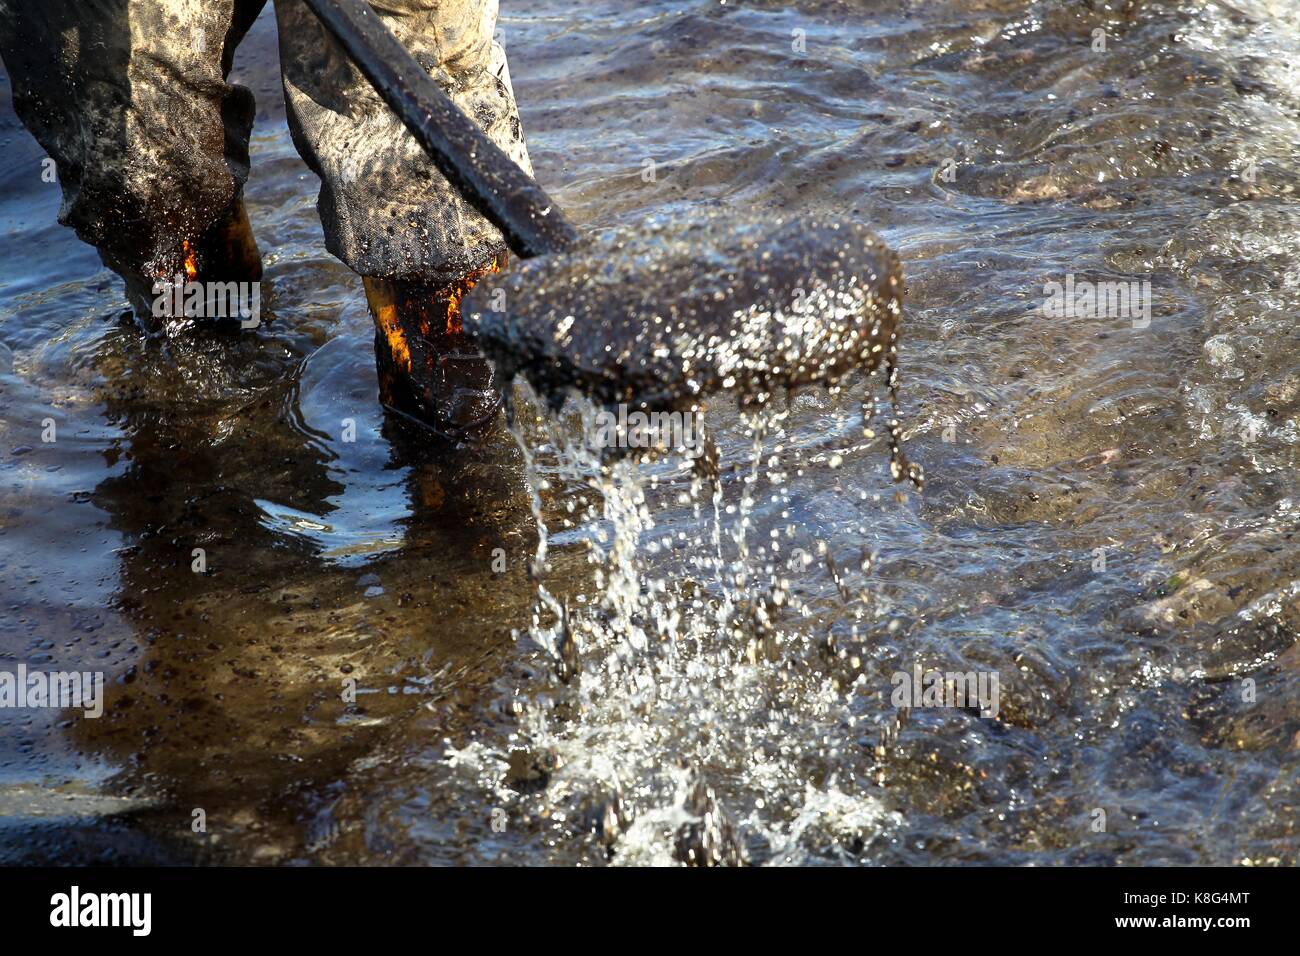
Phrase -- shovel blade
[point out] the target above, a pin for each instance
(673, 311)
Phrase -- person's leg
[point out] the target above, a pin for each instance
(387, 210)
(129, 98)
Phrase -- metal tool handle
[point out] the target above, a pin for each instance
(490, 180)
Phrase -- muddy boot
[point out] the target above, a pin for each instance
(228, 251)
(225, 252)
(429, 368)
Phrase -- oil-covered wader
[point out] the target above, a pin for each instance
(130, 99)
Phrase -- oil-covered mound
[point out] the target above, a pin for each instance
(663, 313)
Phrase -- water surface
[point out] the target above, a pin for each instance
(1109, 520)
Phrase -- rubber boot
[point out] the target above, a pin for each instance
(429, 368)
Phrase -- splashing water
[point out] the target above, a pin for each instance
(702, 718)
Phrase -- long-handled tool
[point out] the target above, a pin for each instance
(655, 316)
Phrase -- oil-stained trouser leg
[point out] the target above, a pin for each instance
(130, 99)
(386, 209)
